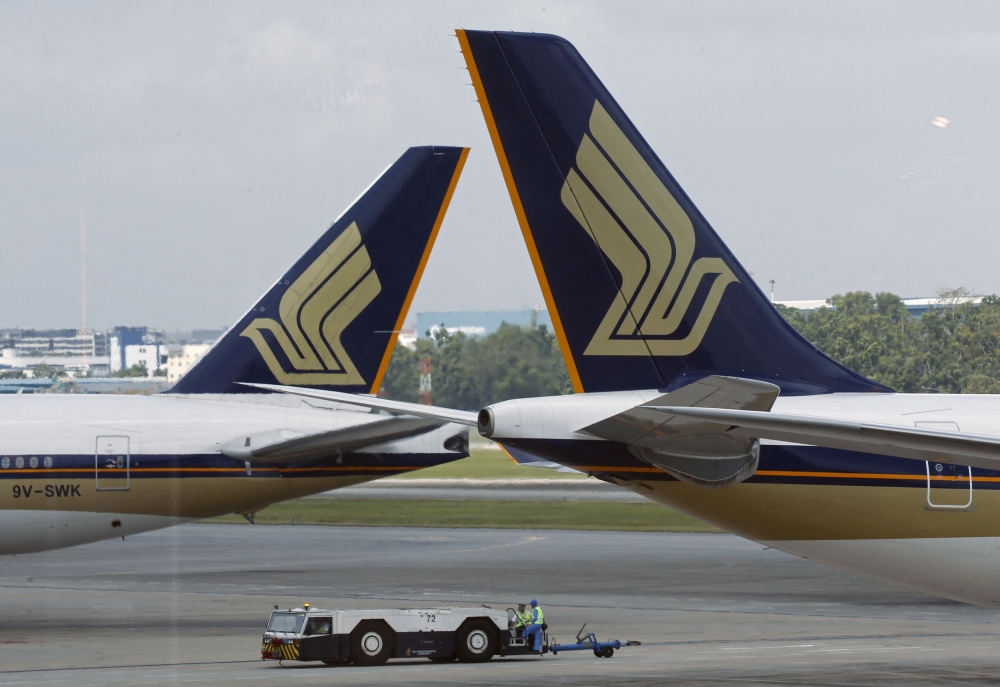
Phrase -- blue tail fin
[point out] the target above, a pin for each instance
(331, 321)
(641, 291)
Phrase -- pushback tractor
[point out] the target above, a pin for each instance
(371, 637)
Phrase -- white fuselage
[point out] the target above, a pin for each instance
(924, 525)
(80, 468)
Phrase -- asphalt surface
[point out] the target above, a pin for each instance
(188, 605)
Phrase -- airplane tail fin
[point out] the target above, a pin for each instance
(641, 291)
(332, 320)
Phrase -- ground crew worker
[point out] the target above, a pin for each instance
(521, 620)
(535, 627)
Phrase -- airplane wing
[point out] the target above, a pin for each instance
(905, 442)
(705, 433)
(461, 417)
(285, 447)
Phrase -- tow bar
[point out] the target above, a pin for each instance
(589, 641)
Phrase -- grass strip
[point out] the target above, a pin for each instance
(488, 464)
(560, 515)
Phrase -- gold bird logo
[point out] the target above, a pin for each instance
(315, 310)
(635, 221)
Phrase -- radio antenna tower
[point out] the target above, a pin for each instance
(426, 394)
(83, 272)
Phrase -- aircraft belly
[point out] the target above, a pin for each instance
(188, 498)
(886, 533)
(777, 512)
(965, 569)
(30, 531)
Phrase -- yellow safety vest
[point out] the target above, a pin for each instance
(537, 617)
(522, 619)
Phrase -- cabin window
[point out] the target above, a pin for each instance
(319, 626)
(286, 622)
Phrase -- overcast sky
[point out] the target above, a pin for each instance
(217, 141)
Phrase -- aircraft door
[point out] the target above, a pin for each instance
(318, 642)
(111, 463)
(949, 486)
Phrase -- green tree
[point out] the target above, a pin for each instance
(954, 348)
(137, 370)
(471, 372)
(45, 371)
(402, 380)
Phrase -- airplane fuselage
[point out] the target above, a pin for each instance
(921, 524)
(76, 469)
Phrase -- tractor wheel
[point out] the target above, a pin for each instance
(476, 641)
(372, 643)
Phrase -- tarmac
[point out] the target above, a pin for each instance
(188, 605)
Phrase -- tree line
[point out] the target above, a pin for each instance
(954, 348)
(472, 372)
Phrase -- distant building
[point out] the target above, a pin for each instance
(117, 385)
(75, 365)
(192, 336)
(131, 346)
(49, 342)
(181, 359)
(89, 354)
(150, 356)
(207, 335)
(915, 306)
(24, 386)
(478, 322)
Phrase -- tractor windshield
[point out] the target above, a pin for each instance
(286, 622)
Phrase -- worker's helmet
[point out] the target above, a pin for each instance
(534, 602)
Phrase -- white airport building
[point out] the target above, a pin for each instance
(181, 359)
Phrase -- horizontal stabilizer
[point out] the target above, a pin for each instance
(286, 447)
(690, 448)
(461, 417)
(646, 425)
(904, 442)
